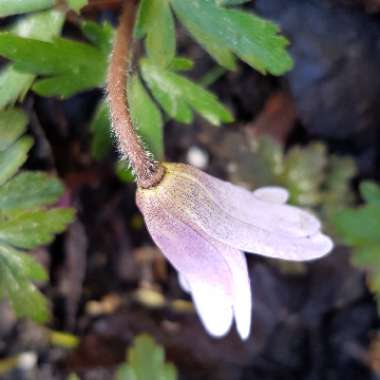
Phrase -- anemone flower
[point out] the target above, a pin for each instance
(203, 225)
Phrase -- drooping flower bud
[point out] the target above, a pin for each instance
(203, 225)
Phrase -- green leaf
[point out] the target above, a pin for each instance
(314, 179)
(124, 372)
(65, 86)
(147, 360)
(337, 193)
(303, 173)
(156, 22)
(77, 5)
(359, 228)
(71, 66)
(124, 172)
(44, 26)
(16, 271)
(13, 151)
(100, 127)
(349, 222)
(31, 228)
(29, 190)
(73, 376)
(178, 95)
(13, 85)
(23, 223)
(181, 64)
(12, 125)
(218, 51)
(146, 117)
(12, 158)
(41, 57)
(230, 2)
(100, 35)
(13, 7)
(370, 192)
(367, 256)
(223, 31)
(301, 170)
(212, 76)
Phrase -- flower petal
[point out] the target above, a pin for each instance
(247, 206)
(183, 283)
(272, 194)
(216, 274)
(272, 230)
(213, 307)
(188, 251)
(242, 298)
(241, 288)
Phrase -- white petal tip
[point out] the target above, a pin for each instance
(320, 246)
(272, 194)
(183, 283)
(244, 331)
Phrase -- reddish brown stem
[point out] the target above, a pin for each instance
(148, 171)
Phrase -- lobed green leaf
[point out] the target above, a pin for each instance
(72, 66)
(12, 125)
(100, 127)
(77, 5)
(146, 361)
(16, 271)
(30, 190)
(14, 7)
(230, 2)
(155, 22)
(43, 26)
(146, 117)
(181, 64)
(178, 96)
(359, 228)
(23, 223)
(30, 228)
(225, 31)
(100, 35)
(12, 158)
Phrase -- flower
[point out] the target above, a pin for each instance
(203, 225)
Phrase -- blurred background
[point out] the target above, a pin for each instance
(314, 130)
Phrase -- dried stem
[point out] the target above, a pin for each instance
(148, 171)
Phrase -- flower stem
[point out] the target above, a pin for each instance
(148, 172)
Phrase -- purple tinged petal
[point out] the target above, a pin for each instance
(260, 227)
(246, 206)
(215, 274)
(202, 224)
(184, 247)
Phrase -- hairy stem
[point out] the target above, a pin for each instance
(148, 172)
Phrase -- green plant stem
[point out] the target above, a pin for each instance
(148, 172)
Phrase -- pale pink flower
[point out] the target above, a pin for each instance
(203, 225)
